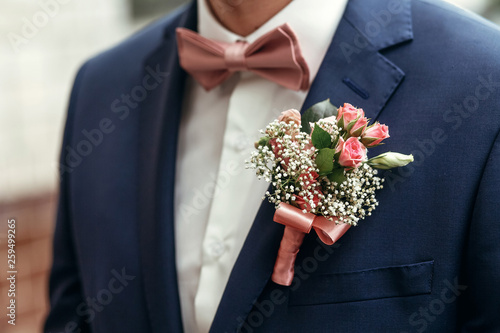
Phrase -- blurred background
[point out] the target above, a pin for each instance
(42, 44)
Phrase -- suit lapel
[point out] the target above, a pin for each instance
(159, 122)
(353, 71)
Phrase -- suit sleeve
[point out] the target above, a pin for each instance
(480, 303)
(65, 288)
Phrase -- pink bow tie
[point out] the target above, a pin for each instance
(275, 56)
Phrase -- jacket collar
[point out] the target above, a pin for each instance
(158, 131)
(383, 23)
(354, 70)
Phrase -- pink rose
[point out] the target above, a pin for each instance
(347, 109)
(278, 152)
(348, 113)
(351, 119)
(277, 147)
(353, 153)
(374, 135)
(339, 146)
(359, 127)
(311, 177)
(331, 119)
(305, 205)
(291, 115)
(309, 148)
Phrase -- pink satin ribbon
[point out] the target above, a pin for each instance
(297, 225)
(275, 56)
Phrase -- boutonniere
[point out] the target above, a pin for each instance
(321, 176)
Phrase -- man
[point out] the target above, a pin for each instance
(161, 230)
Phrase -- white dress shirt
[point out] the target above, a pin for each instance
(216, 198)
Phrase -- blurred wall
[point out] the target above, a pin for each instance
(33, 251)
(42, 44)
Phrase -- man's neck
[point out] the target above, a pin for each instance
(245, 16)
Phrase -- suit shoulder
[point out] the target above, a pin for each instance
(131, 52)
(435, 11)
(446, 27)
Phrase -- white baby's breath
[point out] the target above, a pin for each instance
(290, 167)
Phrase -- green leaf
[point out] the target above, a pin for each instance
(316, 112)
(324, 160)
(337, 176)
(262, 142)
(320, 138)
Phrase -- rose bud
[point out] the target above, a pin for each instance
(390, 160)
(340, 145)
(353, 153)
(374, 135)
(359, 127)
(347, 114)
(291, 115)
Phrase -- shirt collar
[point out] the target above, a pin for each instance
(314, 26)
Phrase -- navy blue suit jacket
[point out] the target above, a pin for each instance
(427, 260)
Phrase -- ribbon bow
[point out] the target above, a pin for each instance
(297, 225)
(275, 56)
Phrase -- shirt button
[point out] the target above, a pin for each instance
(216, 248)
